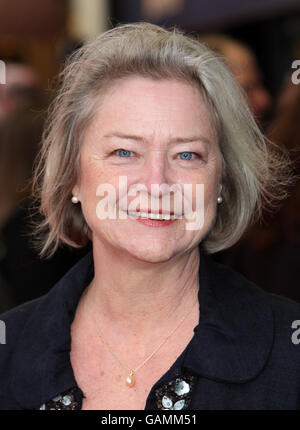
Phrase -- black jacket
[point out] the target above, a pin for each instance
(244, 353)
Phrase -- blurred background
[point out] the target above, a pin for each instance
(258, 39)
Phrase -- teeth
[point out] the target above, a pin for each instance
(159, 217)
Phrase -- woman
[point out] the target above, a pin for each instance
(147, 117)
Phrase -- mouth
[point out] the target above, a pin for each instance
(158, 216)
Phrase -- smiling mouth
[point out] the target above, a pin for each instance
(154, 216)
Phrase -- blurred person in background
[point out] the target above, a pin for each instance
(243, 64)
(24, 275)
(269, 252)
(20, 134)
(22, 85)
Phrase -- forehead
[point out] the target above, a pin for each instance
(145, 104)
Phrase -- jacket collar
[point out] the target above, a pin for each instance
(234, 337)
(231, 343)
(42, 367)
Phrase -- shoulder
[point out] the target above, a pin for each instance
(287, 323)
(13, 321)
(232, 289)
(265, 328)
(242, 288)
(12, 324)
(37, 339)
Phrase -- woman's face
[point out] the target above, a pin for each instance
(144, 134)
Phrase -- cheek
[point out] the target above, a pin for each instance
(92, 175)
(210, 190)
(89, 181)
(88, 188)
(208, 186)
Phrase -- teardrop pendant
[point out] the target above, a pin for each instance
(130, 380)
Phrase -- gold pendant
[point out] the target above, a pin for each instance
(130, 380)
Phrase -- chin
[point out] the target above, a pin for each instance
(153, 254)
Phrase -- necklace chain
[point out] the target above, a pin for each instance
(130, 380)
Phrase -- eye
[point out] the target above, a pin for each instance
(123, 153)
(187, 156)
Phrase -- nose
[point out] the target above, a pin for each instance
(156, 172)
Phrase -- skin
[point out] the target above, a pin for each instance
(153, 272)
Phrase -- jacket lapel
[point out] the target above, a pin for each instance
(234, 337)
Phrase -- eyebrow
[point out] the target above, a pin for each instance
(141, 139)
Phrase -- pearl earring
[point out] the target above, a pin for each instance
(74, 199)
(219, 199)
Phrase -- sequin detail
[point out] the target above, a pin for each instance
(176, 394)
(65, 401)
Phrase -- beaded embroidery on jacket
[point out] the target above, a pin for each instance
(173, 395)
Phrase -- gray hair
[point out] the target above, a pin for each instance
(253, 173)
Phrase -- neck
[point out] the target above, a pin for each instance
(126, 290)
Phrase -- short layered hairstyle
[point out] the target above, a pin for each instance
(254, 174)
